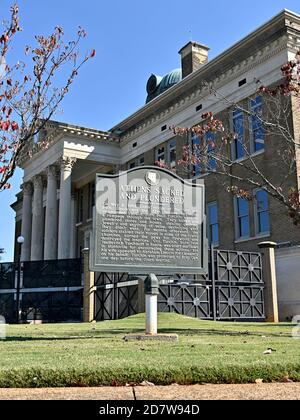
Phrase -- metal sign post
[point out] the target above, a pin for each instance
(149, 220)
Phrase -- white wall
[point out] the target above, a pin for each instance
(288, 281)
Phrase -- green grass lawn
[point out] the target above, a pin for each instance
(96, 354)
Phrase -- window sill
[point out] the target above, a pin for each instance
(79, 224)
(89, 220)
(254, 238)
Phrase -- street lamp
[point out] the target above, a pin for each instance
(20, 241)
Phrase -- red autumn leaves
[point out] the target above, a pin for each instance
(6, 125)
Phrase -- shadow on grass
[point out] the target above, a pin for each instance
(119, 333)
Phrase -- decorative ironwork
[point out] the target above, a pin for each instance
(232, 290)
(234, 266)
(116, 300)
(57, 273)
(186, 299)
(52, 306)
(8, 307)
(7, 276)
(50, 291)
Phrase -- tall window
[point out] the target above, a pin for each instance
(242, 218)
(211, 162)
(160, 154)
(204, 165)
(256, 126)
(132, 165)
(213, 223)
(238, 150)
(195, 151)
(80, 206)
(262, 212)
(172, 153)
(140, 161)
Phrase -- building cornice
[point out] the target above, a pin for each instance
(55, 131)
(199, 92)
(261, 39)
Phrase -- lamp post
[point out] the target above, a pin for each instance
(20, 241)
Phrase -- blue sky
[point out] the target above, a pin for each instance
(133, 38)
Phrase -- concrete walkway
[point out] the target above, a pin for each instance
(290, 391)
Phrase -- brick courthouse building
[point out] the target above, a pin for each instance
(55, 206)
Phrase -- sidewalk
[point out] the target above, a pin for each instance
(175, 392)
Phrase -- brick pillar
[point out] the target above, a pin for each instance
(89, 289)
(269, 273)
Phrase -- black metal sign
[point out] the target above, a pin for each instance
(148, 220)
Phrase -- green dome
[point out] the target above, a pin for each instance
(164, 84)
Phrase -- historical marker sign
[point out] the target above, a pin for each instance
(148, 220)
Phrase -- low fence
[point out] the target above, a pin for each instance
(233, 290)
(48, 291)
(52, 291)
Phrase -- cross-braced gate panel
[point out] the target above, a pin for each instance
(232, 290)
(240, 302)
(186, 299)
(116, 296)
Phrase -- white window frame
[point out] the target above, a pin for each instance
(251, 133)
(172, 148)
(238, 237)
(256, 222)
(159, 153)
(136, 162)
(209, 205)
(234, 158)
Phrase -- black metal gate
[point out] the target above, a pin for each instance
(116, 296)
(233, 290)
(50, 291)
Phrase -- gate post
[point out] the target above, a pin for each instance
(269, 273)
(88, 289)
(141, 296)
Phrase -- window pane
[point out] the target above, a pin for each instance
(243, 207)
(160, 154)
(262, 206)
(172, 152)
(213, 214)
(195, 152)
(264, 222)
(243, 218)
(257, 127)
(244, 226)
(215, 234)
(211, 138)
(238, 128)
(213, 223)
(262, 200)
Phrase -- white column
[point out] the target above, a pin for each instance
(51, 216)
(73, 227)
(37, 236)
(26, 222)
(64, 230)
(151, 314)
